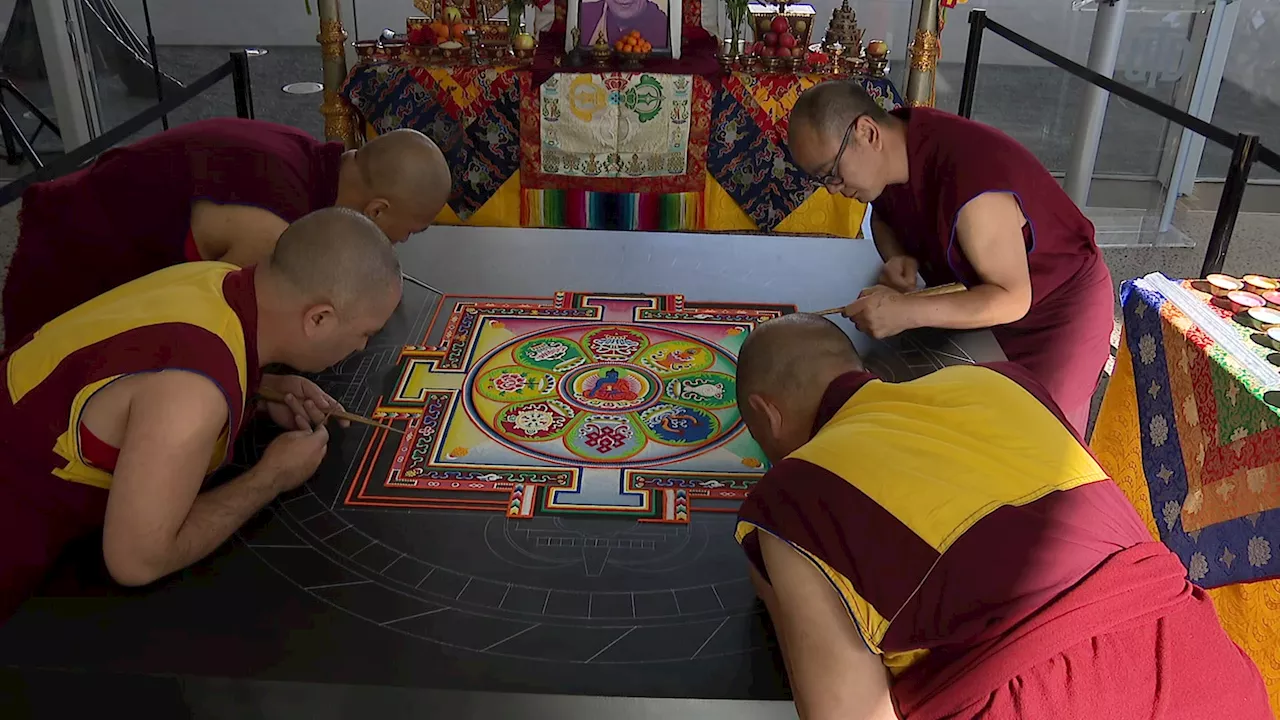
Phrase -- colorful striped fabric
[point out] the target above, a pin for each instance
(583, 209)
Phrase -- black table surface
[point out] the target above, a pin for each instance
(323, 604)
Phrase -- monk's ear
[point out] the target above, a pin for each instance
(319, 320)
(376, 207)
(768, 412)
(871, 130)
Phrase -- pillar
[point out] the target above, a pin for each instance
(338, 123)
(1104, 48)
(924, 52)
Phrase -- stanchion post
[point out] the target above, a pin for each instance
(973, 55)
(1224, 222)
(155, 61)
(242, 84)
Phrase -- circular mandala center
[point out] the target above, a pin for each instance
(610, 387)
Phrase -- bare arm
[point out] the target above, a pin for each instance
(989, 231)
(237, 234)
(157, 520)
(883, 236)
(833, 674)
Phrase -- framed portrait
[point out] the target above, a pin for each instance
(658, 21)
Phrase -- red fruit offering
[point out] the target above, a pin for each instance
(780, 25)
(756, 47)
(787, 40)
(768, 51)
(771, 39)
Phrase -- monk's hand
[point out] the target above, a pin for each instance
(880, 312)
(899, 273)
(306, 405)
(292, 458)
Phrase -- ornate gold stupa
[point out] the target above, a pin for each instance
(844, 30)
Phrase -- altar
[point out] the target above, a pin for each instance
(681, 140)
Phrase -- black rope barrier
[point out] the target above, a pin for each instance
(1246, 150)
(236, 68)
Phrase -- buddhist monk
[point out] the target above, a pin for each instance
(957, 201)
(948, 548)
(220, 189)
(116, 411)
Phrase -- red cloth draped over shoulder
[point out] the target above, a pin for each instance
(1133, 639)
(129, 213)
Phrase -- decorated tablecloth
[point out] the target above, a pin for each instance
(1187, 432)
(611, 150)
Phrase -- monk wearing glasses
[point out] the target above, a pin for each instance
(953, 200)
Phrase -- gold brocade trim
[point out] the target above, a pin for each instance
(331, 38)
(925, 50)
(338, 123)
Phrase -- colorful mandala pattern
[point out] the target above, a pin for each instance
(613, 395)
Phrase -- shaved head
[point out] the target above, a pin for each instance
(794, 356)
(784, 368)
(400, 179)
(830, 106)
(405, 165)
(337, 256)
(840, 136)
(332, 282)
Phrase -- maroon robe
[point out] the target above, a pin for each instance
(1065, 338)
(129, 213)
(40, 513)
(1060, 607)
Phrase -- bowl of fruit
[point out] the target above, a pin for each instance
(444, 36)
(632, 48)
(523, 46)
(777, 45)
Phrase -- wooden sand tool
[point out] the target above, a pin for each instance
(272, 396)
(922, 292)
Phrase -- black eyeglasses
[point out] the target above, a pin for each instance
(833, 178)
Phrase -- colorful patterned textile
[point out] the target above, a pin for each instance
(625, 125)
(582, 209)
(1210, 443)
(472, 113)
(537, 173)
(748, 155)
(1169, 368)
